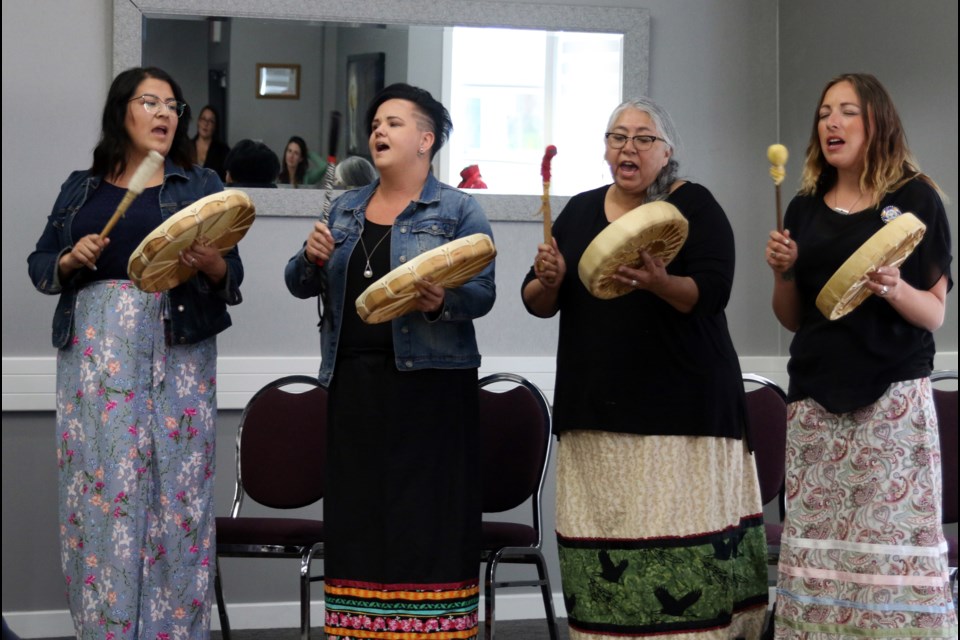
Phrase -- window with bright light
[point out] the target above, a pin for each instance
(535, 88)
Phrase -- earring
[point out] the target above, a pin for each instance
(420, 152)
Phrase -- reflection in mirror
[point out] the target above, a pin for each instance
(384, 26)
(277, 81)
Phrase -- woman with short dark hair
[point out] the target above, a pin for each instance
(402, 493)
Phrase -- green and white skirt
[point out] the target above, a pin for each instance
(660, 535)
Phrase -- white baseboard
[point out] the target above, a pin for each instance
(29, 383)
(273, 615)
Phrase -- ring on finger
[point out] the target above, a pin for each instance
(634, 284)
(884, 290)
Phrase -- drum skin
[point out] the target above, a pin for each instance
(449, 266)
(222, 218)
(888, 247)
(656, 227)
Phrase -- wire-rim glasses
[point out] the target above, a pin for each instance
(640, 143)
(152, 104)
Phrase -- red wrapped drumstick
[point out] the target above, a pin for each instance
(545, 199)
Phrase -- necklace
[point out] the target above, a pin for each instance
(368, 270)
(852, 208)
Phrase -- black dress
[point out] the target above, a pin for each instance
(402, 501)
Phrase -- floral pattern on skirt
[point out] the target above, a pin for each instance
(136, 444)
(863, 553)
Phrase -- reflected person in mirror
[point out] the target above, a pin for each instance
(402, 501)
(208, 150)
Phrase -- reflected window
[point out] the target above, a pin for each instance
(507, 102)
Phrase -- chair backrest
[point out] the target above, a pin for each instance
(946, 403)
(767, 429)
(515, 441)
(282, 445)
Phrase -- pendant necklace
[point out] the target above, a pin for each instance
(845, 212)
(368, 270)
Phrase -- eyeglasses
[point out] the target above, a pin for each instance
(640, 143)
(152, 104)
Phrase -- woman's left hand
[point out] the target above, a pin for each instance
(651, 276)
(429, 296)
(884, 282)
(205, 258)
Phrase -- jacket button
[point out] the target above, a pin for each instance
(180, 308)
(408, 364)
(403, 229)
(434, 227)
(403, 258)
(404, 330)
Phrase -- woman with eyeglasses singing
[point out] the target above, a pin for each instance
(658, 506)
(136, 379)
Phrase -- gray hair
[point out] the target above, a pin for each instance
(353, 172)
(660, 188)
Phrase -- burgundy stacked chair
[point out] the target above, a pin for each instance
(515, 441)
(767, 432)
(946, 403)
(281, 451)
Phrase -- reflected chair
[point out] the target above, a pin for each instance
(516, 442)
(281, 451)
(767, 431)
(946, 402)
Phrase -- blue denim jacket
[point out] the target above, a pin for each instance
(198, 309)
(440, 215)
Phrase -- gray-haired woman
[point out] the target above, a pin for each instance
(658, 510)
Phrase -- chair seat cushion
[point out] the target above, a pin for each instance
(507, 534)
(269, 531)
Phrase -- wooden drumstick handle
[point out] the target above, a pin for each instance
(545, 199)
(141, 176)
(547, 215)
(777, 155)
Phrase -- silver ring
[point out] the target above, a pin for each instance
(884, 290)
(634, 284)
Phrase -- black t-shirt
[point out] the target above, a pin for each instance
(848, 363)
(634, 364)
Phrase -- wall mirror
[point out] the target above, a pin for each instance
(133, 23)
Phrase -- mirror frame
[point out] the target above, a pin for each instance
(634, 24)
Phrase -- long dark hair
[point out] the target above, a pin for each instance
(301, 166)
(216, 122)
(110, 154)
(436, 117)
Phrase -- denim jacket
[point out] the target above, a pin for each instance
(439, 215)
(198, 309)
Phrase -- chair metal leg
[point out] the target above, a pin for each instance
(305, 595)
(490, 596)
(221, 606)
(547, 592)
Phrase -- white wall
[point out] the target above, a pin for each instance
(731, 86)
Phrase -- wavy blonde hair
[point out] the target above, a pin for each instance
(888, 163)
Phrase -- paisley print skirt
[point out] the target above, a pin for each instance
(863, 553)
(660, 535)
